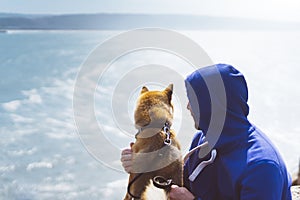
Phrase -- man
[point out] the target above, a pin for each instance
(239, 162)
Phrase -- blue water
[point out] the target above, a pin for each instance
(42, 156)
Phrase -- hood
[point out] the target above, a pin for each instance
(218, 98)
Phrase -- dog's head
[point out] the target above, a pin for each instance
(154, 108)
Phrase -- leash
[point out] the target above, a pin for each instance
(157, 181)
(163, 183)
(131, 182)
(160, 181)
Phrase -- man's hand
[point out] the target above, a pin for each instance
(180, 193)
(126, 159)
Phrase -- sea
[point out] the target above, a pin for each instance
(52, 146)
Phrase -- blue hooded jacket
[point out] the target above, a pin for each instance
(247, 165)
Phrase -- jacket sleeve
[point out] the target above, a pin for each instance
(186, 181)
(261, 181)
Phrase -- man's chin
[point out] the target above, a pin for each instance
(197, 127)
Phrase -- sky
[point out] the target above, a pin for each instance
(283, 10)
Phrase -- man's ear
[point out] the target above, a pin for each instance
(144, 89)
(169, 91)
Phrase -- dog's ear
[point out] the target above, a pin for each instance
(169, 91)
(144, 89)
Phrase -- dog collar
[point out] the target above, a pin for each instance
(166, 129)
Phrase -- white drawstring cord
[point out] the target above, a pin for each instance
(202, 165)
(186, 157)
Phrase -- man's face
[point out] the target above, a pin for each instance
(195, 121)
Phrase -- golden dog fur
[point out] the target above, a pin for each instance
(150, 155)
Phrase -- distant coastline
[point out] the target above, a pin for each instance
(104, 21)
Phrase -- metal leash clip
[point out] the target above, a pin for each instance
(168, 140)
(162, 183)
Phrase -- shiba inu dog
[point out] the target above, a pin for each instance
(156, 152)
